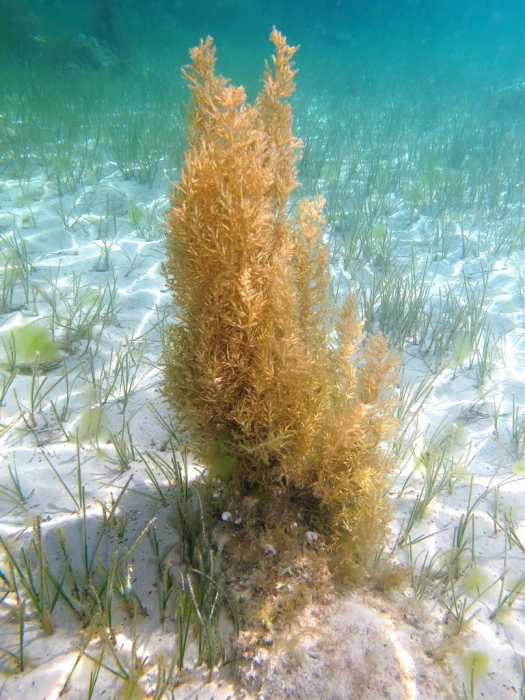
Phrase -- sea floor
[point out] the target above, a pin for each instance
(91, 425)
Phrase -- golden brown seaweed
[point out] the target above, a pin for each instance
(271, 388)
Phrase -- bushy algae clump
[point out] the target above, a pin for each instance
(91, 425)
(269, 399)
(31, 343)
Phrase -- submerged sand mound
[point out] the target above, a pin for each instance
(356, 647)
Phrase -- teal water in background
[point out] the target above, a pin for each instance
(484, 35)
(416, 59)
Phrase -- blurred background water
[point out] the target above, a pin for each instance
(402, 35)
(73, 72)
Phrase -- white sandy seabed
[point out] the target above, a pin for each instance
(365, 645)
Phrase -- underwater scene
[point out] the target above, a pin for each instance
(262, 349)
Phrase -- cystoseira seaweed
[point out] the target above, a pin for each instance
(275, 387)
